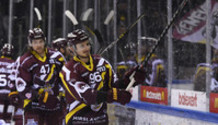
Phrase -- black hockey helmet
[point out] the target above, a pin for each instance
(7, 50)
(35, 33)
(59, 43)
(77, 36)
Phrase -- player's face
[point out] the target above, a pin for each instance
(62, 50)
(38, 45)
(83, 49)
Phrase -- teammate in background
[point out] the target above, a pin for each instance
(38, 81)
(123, 67)
(61, 45)
(201, 71)
(91, 83)
(9, 101)
(155, 73)
(155, 66)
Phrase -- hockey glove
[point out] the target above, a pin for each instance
(14, 98)
(48, 100)
(139, 76)
(118, 95)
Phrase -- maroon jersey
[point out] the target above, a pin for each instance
(6, 85)
(82, 81)
(38, 75)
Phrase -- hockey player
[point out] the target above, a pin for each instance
(38, 81)
(201, 71)
(61, 45)
(9, 101)
(91, 83)
(155, 65)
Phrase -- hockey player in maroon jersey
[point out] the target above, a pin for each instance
(60, 45)
(9, 101)
(90, 84)
(38, 82)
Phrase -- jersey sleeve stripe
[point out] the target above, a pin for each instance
(51, 73)
(110, 74)
(71, 113)
(65, 85)
(102, 82)
(46, 97)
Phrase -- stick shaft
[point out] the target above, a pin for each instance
(180, 9)
(144, 63)
(123, 34)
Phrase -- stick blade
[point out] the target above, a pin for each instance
(109, 17)
(39, 16)
(71, 17)
(87, 14)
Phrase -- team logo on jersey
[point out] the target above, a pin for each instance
(81, 87)
(20, 84)
(101, 69)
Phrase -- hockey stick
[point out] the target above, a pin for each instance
(39, 16)
(100, 39)
(180, 9)
(144, 63)
(107, 20)
(85, 16)
(109, 17)
(71, 17)
(123, 34)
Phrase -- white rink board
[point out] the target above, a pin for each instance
(135, 93)
(188, 99)
(144, 117)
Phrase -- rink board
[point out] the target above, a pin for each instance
(143, 113)
(188, 99)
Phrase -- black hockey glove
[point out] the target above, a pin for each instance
(118, 95)
(48, 100)
(139, 76)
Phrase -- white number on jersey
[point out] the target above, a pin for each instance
(3, 80)
(45, 69)
(95, 77)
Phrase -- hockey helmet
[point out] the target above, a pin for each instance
(148, 41)
(59, 43)
(35, 33)
(77, 36)
(7, 50)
